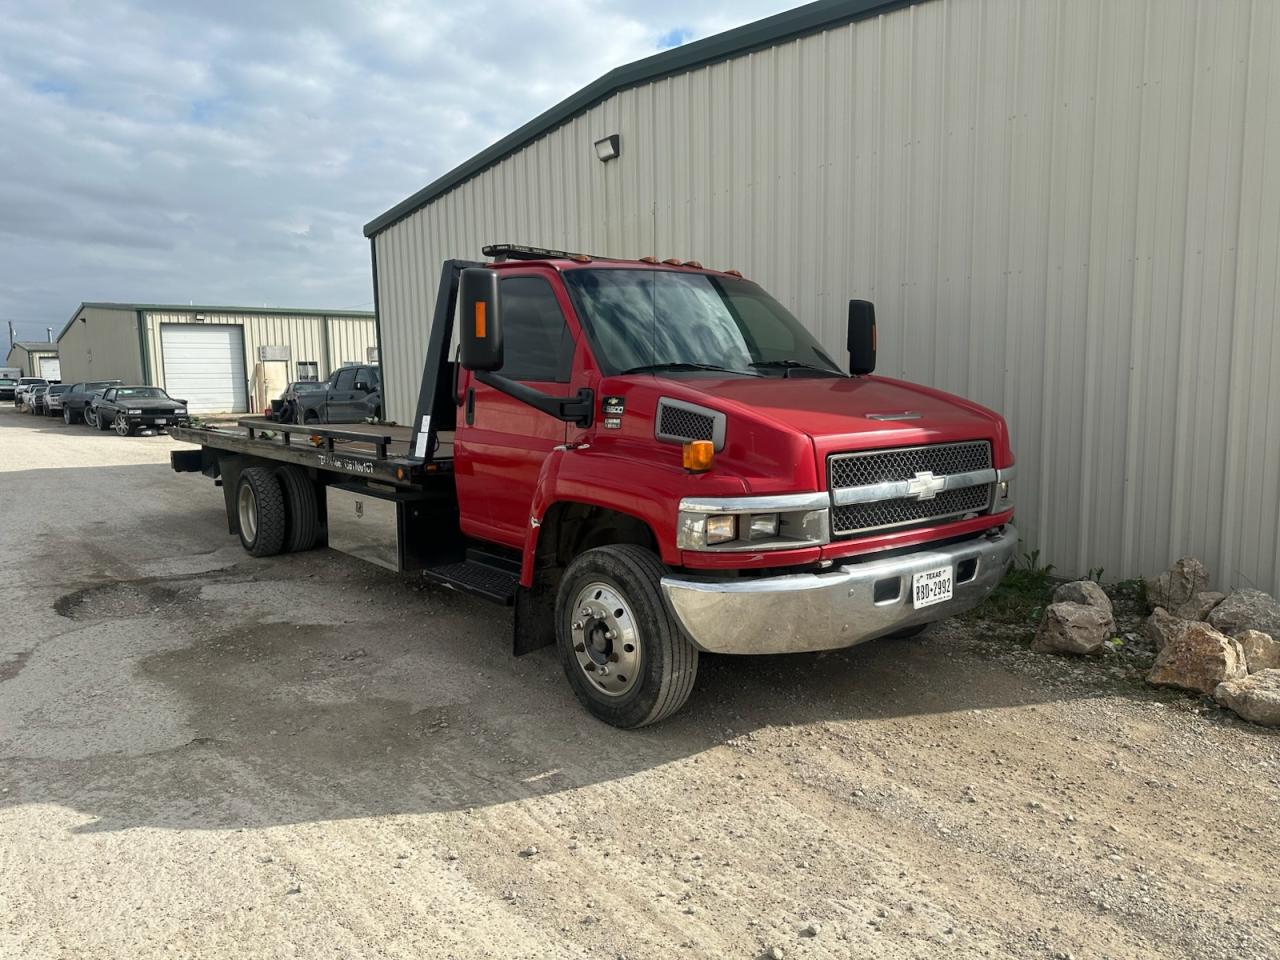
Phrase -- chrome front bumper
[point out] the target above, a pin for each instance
(801, 612)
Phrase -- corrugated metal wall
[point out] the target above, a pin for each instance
(1068, 210)
(350, 340)
(324, 339)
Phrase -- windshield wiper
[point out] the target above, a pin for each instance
(788, 365)
(687, 365)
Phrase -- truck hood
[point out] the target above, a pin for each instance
(849, 413)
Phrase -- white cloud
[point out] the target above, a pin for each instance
(230, 152)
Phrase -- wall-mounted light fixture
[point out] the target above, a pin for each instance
(609, 148)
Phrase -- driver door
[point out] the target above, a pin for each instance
(501, 443)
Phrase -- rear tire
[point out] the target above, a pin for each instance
(618, 587)
(260, 512)
(302, 512)
(101, 423)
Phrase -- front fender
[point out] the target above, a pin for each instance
(650, 492)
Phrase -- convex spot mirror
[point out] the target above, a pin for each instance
(480, 319)
(862, 337)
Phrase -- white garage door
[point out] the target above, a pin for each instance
(49, 368)
(204, 365)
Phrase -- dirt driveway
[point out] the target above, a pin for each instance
(207, 755)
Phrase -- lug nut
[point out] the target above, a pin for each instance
(604, 671)
(610, 635)
(585, 611)
(589, 667)
(581, 648)
(577, 624)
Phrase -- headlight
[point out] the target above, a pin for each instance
(135, 413)
(722, 528)
(784, 522)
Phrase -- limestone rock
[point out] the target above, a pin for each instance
(1176, 588)
(1160, 626)
(1256, 698)
(1201, 605)
(1197, 657)
(1247, 610)
(1261, 651)
(1083, 591)
(1073, 628)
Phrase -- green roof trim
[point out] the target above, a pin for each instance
(789, 25)
(209, 308)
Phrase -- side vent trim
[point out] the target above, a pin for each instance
(678, 421)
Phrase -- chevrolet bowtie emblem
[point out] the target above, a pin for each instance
(925, 486)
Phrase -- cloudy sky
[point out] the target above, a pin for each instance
(230, 152)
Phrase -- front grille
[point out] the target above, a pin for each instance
(886, 466)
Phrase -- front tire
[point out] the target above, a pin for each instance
(260, 512)
(100, 422)
(122, 426)
(68, 416)
(610, 618)
(90, 418)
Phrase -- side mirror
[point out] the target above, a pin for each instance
(361, 386)
(480, 320)
(862, 337)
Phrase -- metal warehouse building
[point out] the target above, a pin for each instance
(35, 358)
(208, 355)
(1068, 210)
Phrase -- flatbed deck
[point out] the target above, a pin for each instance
(370, 450)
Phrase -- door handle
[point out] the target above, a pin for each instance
(471, 406)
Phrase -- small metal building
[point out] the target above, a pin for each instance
(35, 358)
(207, 355)
(1068, 210)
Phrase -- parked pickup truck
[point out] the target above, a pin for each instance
(352, 394)
(649, 461)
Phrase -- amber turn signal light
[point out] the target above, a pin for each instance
(481, 320)
(698, 455)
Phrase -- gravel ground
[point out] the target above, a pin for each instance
(207, 755)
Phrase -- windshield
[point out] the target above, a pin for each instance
(140, 392)
(640, 320)
(7, 381)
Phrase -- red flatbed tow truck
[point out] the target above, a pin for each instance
(649, 460)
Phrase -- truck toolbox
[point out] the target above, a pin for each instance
(649, 460)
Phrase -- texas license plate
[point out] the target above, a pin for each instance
(161, 422)
(931, 586)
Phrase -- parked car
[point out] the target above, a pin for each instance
(352, 394)
(284, 409)
(124, 409)
(53, 399)
(35, 398)
(8, 384)
(76, 401)
(25, 384)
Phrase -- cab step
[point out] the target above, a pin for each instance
(484, 575)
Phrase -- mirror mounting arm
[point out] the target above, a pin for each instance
(577, 410)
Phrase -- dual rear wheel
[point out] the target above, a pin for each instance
(277, 511)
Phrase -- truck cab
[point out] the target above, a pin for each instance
(651, 461)
(791, 502)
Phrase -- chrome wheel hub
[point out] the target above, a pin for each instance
(606, 641)
(247, 505)
(122, 425)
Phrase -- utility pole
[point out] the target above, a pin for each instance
(10, 334)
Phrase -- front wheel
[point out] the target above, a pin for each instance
(67, 416)
(90, 417)
(622, 650)
(99, 421)
(121, 425)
